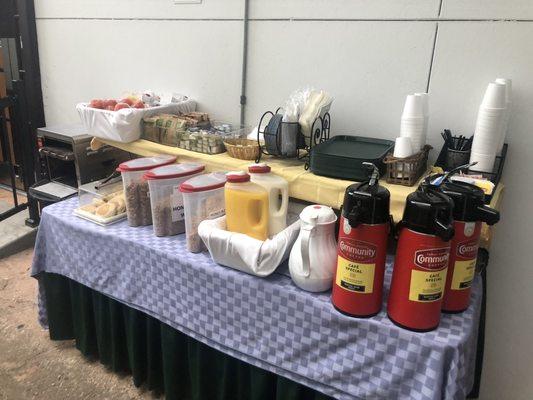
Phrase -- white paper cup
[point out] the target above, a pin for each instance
(403, 147)
(485, 162)
(508, 87)
(414, 107)
(494, 96)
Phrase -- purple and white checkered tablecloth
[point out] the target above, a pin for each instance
(267, 322)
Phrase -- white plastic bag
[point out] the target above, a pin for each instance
(125, 125)
(244, 253)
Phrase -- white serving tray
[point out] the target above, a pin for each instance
(97, 219)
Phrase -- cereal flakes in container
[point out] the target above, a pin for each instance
(136, 190)
(165, 196)
(203, 198)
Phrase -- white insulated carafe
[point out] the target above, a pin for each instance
(314, 255)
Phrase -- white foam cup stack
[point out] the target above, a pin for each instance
(489, 127)
(425, 99)
(485, 162)
(403, 147)
(508, 101)
(413, 122)
(494, 96)
(414, 107)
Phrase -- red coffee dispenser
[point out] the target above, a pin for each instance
(468, 213)
(419, 274)
(362, 248)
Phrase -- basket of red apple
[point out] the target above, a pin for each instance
(120, 119)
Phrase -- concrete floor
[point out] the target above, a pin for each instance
(14, 234)
(34, 367)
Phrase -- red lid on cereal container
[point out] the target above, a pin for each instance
(145, 163)
(174, 171)
(202, 183)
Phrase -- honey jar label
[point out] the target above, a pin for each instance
(463, 274)
(427, 286)
(176, 205)
(355, 276)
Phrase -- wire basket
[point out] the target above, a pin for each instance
(243, 149)
(407, 171)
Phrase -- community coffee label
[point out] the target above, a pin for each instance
(428, 285)
(432, 259)
(467, 249)
(356, 265)
(465, 266)
(357, 250)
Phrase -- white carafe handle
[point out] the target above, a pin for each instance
(307, 230)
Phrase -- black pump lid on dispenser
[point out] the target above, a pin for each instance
(469, 202)
(367, 202)
(429, 211)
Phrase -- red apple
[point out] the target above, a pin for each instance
(110, 108)
(97, 103)
(121, 105)
(138, 104)
(110, 103)
(127, 100)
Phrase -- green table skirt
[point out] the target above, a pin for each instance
(157, 355)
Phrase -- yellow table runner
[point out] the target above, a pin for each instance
(303, 185)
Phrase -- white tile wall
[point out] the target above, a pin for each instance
(468, 56)
(487, 9)
(83, 59)
(218, 9)
(369, 66)
(345, 9)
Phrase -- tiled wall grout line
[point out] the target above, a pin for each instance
(438, 19)
(434, 48)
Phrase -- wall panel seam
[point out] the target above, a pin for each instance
(287, 19)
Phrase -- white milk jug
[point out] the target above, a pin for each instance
(314, 255)
(278, 196)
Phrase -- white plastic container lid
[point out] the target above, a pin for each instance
(202, 183)
(144, 163)
(174, 171)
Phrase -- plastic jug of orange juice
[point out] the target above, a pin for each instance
(278, 195)
(246, 206)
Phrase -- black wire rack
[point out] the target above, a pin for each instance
(319, 132)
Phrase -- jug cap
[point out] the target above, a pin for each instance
(237, 177)
(367, 202)
(259, 168)
(174, 171)
(427, 210)
(319, 214)
(469, 202)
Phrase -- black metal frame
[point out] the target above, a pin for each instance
(24, 91)
(320, 131)
(8, 104)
